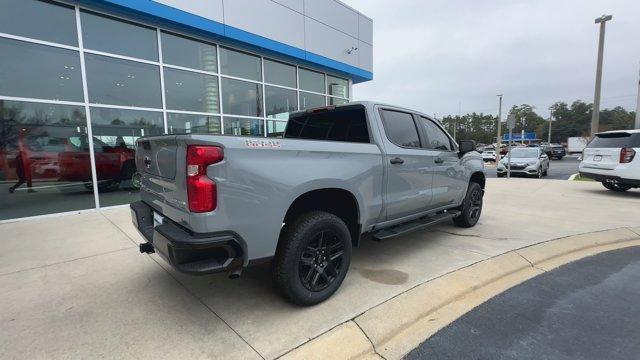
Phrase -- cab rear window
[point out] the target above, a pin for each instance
(344, 123)
(615, 140)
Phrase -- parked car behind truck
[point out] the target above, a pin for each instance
(219, 203)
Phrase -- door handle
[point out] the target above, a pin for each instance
(396, 160)
(439, 160)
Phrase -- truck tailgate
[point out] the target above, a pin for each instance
(157, 156)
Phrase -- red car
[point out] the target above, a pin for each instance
(114, 164)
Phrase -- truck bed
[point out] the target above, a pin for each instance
(257, 181)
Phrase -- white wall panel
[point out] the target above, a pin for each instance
(325, 27)
(365, 29)
(266, 18)
(297, 5)
(365, 56)
(334, 14)
(331, 43)
(210, 9)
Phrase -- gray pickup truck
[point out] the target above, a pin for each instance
(215, 203)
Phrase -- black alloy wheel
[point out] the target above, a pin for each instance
(321, 261)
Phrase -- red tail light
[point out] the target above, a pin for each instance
(202, 191)
(627, 155)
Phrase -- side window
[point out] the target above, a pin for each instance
(400, 128)
(436, 138)
(347, 123)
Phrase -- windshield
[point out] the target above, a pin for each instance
(524, 153)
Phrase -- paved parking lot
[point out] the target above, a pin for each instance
(558, 169)
(76, 286)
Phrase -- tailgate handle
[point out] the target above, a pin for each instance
(396, 160)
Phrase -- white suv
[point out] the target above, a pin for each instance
(613, 159)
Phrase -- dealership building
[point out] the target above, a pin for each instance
(81, 81)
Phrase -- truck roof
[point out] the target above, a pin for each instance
(368, 103)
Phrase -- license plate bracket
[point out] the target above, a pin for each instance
(597, 158)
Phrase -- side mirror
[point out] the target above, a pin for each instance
(465, 146)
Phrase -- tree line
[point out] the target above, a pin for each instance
(568, 121)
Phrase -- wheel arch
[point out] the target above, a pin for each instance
(337, 201)
(479, 178)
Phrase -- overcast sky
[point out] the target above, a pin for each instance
(432, 55)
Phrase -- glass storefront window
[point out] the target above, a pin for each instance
(120, 37)
(337, 86)
(39, 20)
(181, 51)
(280, 102)
(311, 81)
(190, 91)
(122, 82)
(276, 128)
(193, 124)
(241, 97)
(239, 64)
(308, 100)
(280, 74)
(45, 165)
(115, 132)
(44, 161)
(243, 127)
(39, 71)
(337, 101)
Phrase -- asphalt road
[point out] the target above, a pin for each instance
(583, 310)
(558, 169)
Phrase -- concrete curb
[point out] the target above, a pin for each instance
(395, 327)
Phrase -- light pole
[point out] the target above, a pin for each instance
(499, 137)
(638, 105)
(595, 116)
(550, 119)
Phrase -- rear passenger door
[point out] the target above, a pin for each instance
(448, 173)
(409, 166)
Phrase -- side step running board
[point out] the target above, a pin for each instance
(414, 225)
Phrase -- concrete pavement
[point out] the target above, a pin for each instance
(76, 287)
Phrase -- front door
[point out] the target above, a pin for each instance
(448, 173)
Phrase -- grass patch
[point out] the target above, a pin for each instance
(581, 178)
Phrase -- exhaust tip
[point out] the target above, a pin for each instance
(234, 274)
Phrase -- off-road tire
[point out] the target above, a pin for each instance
(295, 240)
(471, 207)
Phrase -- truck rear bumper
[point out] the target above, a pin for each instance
(186, 251)
(610, 178)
